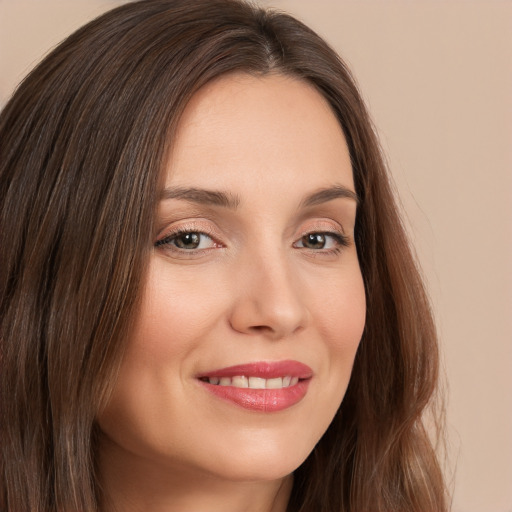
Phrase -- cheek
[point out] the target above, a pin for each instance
(345, 317)
(175, 313)
(340, 310)
(340, 322)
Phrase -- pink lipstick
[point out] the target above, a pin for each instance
(265, 386)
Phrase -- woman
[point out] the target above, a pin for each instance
(207, 297)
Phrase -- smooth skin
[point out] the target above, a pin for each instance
(263, 269)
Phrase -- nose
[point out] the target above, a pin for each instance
(268, 299)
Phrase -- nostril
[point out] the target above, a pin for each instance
(264, 330)
(261, 328)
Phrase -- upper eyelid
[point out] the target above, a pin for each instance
(190, 226)
(323, 229)
(204, 226)
(324, 226)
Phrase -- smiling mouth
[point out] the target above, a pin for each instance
(242, 381)
(260, 386)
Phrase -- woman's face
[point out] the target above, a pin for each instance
(254, 303)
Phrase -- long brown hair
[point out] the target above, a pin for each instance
(82, 143)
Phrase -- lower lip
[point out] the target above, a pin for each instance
(261, 400)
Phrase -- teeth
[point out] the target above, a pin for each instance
(241, 381)
(256, 383)
(274, 383)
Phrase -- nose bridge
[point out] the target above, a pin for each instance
(268, 299)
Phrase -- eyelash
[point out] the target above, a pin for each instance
(340, 239)
(171, 237)
(169, 240)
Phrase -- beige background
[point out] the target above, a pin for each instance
(437, 76)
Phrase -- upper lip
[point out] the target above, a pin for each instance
(263, 369)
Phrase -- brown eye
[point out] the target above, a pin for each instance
(322, 241)
(187, 241)
(314, 241)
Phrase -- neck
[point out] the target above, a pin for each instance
(133, 484)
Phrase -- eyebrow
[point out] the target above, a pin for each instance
(328, 194)
(202, 196)
(231, 201)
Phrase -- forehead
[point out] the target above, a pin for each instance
(253, 129)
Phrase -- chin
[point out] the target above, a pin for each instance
(265, 459)
(272, 468)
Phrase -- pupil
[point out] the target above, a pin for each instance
(314, 241)
(188, 241)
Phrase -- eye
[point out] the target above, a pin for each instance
(322, 240)
(187, 241)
